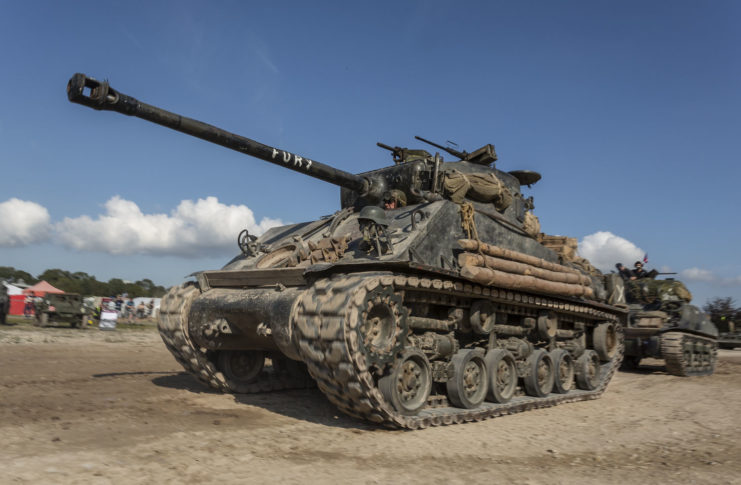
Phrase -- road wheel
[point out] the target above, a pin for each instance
(240, 367)
(563, 366)
(588, 371)
(409, 383)
(500, 364)
(539, 381)
(605, 340)
(468, 386)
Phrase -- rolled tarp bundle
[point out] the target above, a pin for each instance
(495, 266)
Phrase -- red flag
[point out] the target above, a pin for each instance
(645, 258)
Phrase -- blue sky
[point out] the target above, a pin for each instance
(630, 110)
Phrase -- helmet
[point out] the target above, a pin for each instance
(373, 213)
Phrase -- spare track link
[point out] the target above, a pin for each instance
(326, 319)
(173, 327)
(682, 356)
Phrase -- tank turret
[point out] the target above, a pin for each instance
(427, 299)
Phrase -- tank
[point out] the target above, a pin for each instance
(426, 299)
(662, 324)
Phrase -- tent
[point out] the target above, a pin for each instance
(41, 288)
(13, 289)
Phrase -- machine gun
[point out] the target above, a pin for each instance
(462, 155)
(99, 95)
(397, 153)
(483, 156)
(403, 155)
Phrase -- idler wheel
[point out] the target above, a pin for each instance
(382, 326)
(500, 364)
(241, 366)
(563, 366)
(409, 383)
(468, 385)
(605, 340)
(587, 371)
(539, 381)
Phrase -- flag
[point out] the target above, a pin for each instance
(645, 258)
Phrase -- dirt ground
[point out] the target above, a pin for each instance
(85, 406)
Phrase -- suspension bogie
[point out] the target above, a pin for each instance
(486, 350)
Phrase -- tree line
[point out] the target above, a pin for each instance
(721, 309)
(84, 284)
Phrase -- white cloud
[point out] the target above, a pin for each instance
(191, 229)
(698, 274)
(706, 276)
(603, 249)
(23, 222)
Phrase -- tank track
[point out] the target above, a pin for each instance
(327, 316)
(173, 327)
(688, 354)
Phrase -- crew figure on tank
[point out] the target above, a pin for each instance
(394, 199)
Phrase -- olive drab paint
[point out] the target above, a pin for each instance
(424, 300)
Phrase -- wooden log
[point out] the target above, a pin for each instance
(492, 277)
(475, 259)
(490, 250)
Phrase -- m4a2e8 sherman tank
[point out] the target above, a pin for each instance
(425, 300)
(662, 324)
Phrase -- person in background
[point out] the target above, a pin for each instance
(130, 313)
(28, 305)
(141, 310)
(119, 303)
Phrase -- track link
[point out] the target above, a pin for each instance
(326, 319)
(173, 327)
(688, 354)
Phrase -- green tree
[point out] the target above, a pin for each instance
(59, 278)
(12, 275)
(721, 310)
(116, 286)
(85, 284)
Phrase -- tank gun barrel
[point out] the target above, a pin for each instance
(99, 95)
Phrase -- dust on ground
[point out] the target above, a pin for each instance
(114, 407)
